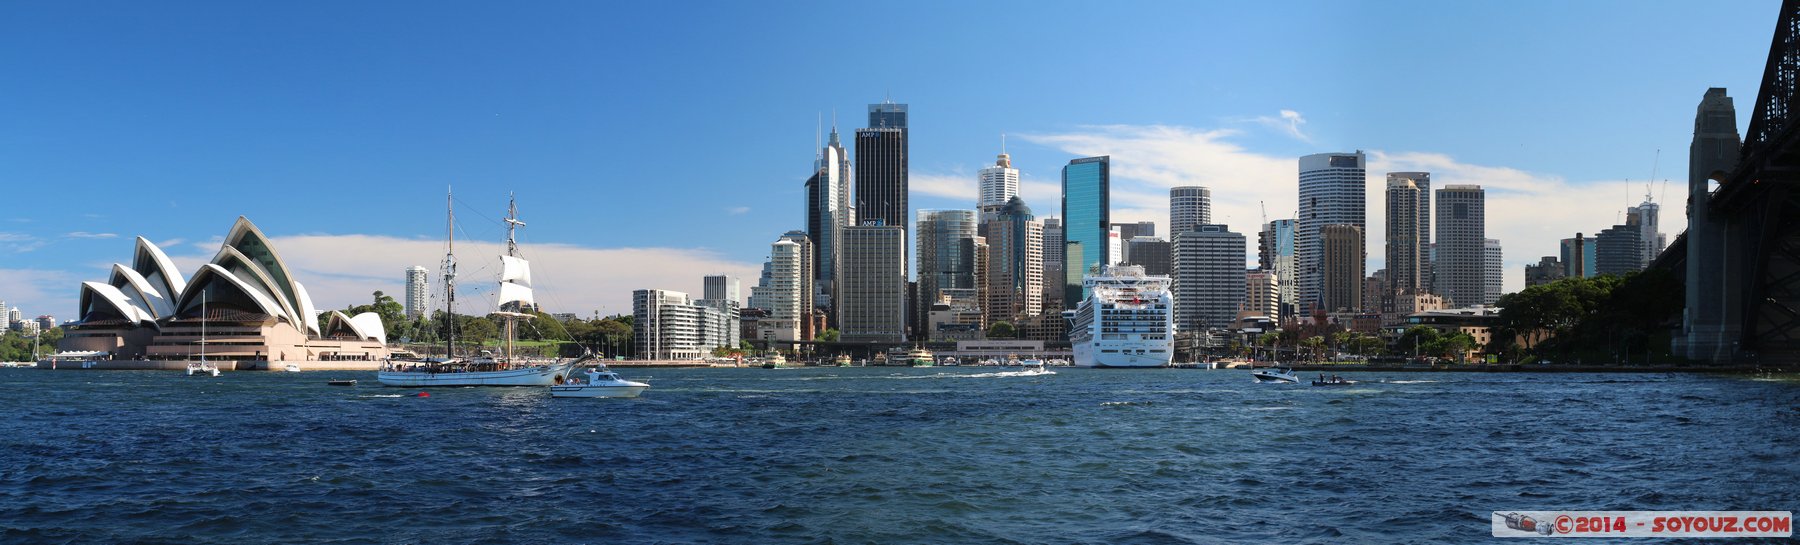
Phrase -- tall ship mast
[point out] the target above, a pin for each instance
(514, 300)
(1127, 320)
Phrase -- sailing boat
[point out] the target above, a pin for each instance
(202, 369)
(515, 296)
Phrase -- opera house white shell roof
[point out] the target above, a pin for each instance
(245, 278)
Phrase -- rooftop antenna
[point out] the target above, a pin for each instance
(819, 137)
(1003, 143)
(1653, 165)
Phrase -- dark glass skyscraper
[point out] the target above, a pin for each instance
(1087, 220)
(881, 159)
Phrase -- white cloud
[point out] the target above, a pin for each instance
(738, 210)
(19, 243)
(1289, 122)
(85, 234)
(344, 270)
(36, 291)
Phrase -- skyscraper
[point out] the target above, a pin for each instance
(1331, 193)
(6, 318)
(1618, 250)
(1154, 254)
(1209, 277)
(999, 184)
(1493, 271)
(1053, 264)
(418, 291)
(1087, 222)
(881, 164)
(1189, 206)
(871, 305)
(1341, 265)
(721, 294)
(1262, 289)
(1275, 253)
(1128, 231)
(786, 263)
(827, 209)
(1578, 257)
(1644, 217)
(1408, 233)
(807, 291)
(1015, 275)
(945, 254)
(721, 287)
(1462, 232)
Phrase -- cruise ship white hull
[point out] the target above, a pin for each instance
(1096, 355)
(546, 375)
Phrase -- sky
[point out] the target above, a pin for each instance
(651, 143)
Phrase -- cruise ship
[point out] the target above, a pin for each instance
(1126, 321)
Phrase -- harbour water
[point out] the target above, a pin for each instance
(876, 455)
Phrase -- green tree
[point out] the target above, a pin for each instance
(1315, 346)
(1002, 330)
(1417, 340)
(829, 335)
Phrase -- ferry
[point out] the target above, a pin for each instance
(1127, 320)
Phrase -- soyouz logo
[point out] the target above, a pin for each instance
(1643, 523)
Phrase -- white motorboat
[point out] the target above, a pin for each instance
(1035, 367)
(291, 368)
(598, 382)
(1276, 375)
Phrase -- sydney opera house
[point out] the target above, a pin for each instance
(254, 313)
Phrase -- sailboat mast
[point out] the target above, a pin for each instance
(449, 275)
(512, 250)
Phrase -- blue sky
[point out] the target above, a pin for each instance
(652, 143)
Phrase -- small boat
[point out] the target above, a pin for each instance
(1276, 375)
(341, 382)
(1334, 381)
(202, 369)
(950, 361)
(1035, 367)
(291, 368)
(599, 382)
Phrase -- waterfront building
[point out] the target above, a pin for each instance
(764, 283)
(14, 318)
(1189, 206)
(787, 259)
(827, 211)
(1054, 277)
(721, 287)
(1408, 234)
(1493, 272)
(881, 164)
(5, 318)
(1461, 239)
(1209, 277)
(1262, 293)
(28, 328)
(1341, 263)
(808, 289)
(1578, 257)
(956, 315)
(946, 259)
(1478, 322)
(1154, 254)
(1547, 270)
(1618, 250)
(1087, 222)
(255, 311)
(667, 326)
(999, 184)
(1275, 253)
(418, 291)
(1332, 192)
(1015, 276)
(871, 304)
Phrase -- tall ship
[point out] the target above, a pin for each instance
(504, 369)
(1127, 320)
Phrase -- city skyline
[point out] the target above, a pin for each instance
(1544, 171)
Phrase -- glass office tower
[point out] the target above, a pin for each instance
(1087, 220)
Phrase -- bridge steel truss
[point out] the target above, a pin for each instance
(1762, 198)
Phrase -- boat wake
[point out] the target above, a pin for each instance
(384, 395)
(1009, 374)
(1410, 381)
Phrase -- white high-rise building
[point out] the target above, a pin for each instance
(1493, 270)
(1209, 277)
(667, 326)
(827, 211)
(721, 294)
(5, 317)
(418, 291)
(786, 282)
(14, 317)
(1115, 246)
(1332, 192)
(1644, 217)
(1189, 206)
(999, 184)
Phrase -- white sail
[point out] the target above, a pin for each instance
(510, 292)
(515, 270)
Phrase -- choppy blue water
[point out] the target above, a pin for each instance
(874, 455)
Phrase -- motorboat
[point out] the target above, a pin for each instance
(1276, 374)
(950, 361)
(341, 382)
(291, 368)
(598, 382)
(1035, 367)
(1333, 380)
